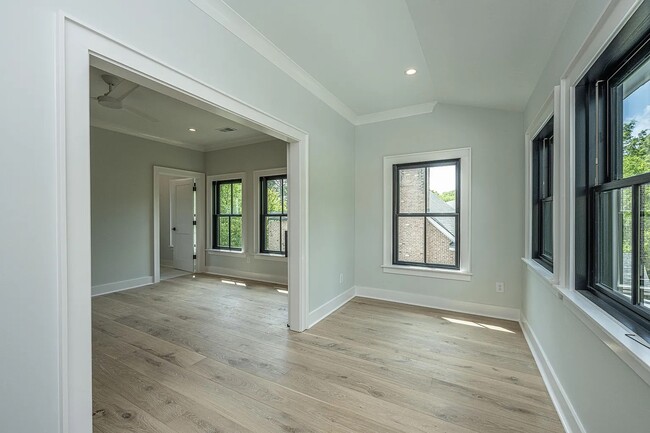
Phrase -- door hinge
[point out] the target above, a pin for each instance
(194, 257)
(194, 222)
(194, 187)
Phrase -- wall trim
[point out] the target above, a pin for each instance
(561, 401)
(118, 286)
(331, 306)
(246, 275)
(439, 303)
(396, 113)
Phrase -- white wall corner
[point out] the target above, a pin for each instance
(118, 286)
(565, 409)
(331, 306)
(439, 303)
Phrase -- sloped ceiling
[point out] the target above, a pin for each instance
(487, 53)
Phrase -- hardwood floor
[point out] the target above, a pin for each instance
(200, 355)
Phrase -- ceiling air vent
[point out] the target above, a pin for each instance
(227, 129)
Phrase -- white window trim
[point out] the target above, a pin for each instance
(210, 199)
(464, 273)
(257, 174)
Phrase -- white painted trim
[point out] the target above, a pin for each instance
(114, 128)
(79, 47)
(238, 26)
(118, 286)
(270, 257)
(565, 410)
(438, 303)
(609, 330)
(331, 306)
(256, 205)
(396, 113)
(245, 141)
(465, 156)
(427, 272)
(199, 179)
(246, 275)
(241, 175)
(226, 253)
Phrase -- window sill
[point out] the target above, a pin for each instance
(214, 252)
(430, 273)
(609, 330)
(270, 257)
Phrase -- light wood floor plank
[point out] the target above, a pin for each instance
(197, 354)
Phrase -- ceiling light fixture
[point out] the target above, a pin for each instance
(192, 130)
(411, 71)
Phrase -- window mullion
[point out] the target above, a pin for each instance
(635, 244)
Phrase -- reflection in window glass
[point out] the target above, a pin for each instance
(636, 122)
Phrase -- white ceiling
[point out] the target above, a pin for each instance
(174, 118)
(487, 53)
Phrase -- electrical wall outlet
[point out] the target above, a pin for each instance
(501, 287)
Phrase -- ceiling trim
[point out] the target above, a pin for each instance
(238, 26)
(104, 125)
(245, 141)
(396, 113)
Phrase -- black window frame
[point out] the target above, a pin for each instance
(397, 214)
(264, 214)
(216, 232)
(542, 193)
(599, 167)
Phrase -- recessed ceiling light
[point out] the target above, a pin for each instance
(192, 130)
(411, 71)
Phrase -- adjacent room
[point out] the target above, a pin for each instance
(356, 216)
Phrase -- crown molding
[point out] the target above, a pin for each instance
(245, 141)
(396, 113)
(238, 26)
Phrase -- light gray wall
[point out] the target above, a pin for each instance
(121, 173)
(606, 394)
(198, 47)
(497, 219)
(248, 159)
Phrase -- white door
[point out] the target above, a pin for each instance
(183, 224)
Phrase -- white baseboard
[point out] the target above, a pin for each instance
(118, 286)
(329, 307)
(439, 303)
(234, 273)
(565, 410)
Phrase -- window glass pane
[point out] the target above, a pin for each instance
(410, 239)
(236, 198)
(442, 189)
(235, 232)
(274, 196)
(225, 204)
(547, 228)
(223, 231)
(441, 240)
(615, 241)
(412, 190)
(644, 237)
(285, 227)
(273, 230)
(636, 122)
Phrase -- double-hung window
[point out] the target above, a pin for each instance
(426, 214)
(273, 214)
(227, 215)
(613, 179)
(542, 224)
